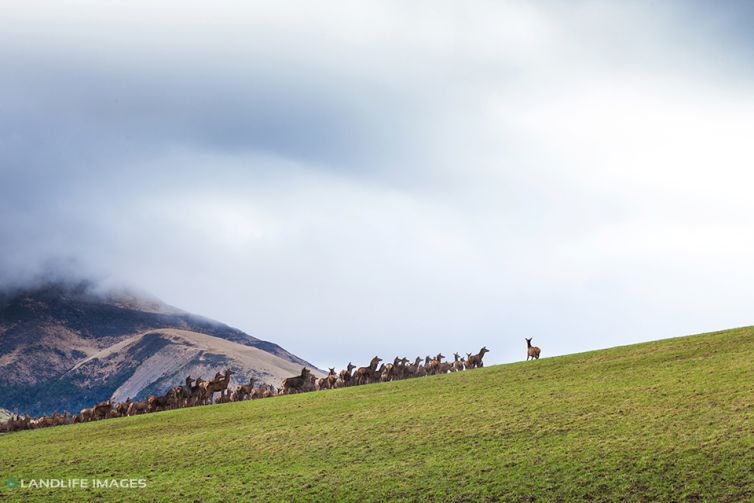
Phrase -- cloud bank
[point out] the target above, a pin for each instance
(349, 180)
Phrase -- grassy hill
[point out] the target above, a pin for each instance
(667, 420)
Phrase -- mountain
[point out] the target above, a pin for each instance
(69, 346)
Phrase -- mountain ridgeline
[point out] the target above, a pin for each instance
(68, 346)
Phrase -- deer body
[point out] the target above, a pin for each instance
(364, 375)
(475, 361)
(531, 351)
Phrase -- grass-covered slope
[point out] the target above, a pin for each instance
(668, 420)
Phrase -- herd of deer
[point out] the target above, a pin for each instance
(202, 392)
(401, 368)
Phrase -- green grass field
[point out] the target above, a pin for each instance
(671, 420)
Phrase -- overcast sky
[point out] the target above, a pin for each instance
(357, 178)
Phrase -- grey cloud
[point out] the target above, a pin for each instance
(409, 179)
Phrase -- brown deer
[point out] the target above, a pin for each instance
(157, 403)
(531, 351)
(297, 383)
(328, 382)
(198, 392)
(86, 415)
(364, 375)
(135, 408)
(122, 407)
(457, 365)
(345, 375)
(417, 369)
(475, 361)
(60, 419)
(18, 423)
(389, 370)
(40, 422)
(219, 383)
(435, 364)
(245, 390)
(400, 371)
(267, 391)
(225, 396)
(311, 383)
(179, 397)
(102, 409)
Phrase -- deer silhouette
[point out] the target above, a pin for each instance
(531, 351)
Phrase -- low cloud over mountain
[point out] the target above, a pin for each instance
(68, 346)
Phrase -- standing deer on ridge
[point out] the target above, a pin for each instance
(531, 351)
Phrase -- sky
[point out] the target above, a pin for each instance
(395, 178)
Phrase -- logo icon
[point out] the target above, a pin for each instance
(11, 483)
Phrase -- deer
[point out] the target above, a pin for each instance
(345, 375)
(417, 369)
(18, 423)
(531, 351)
(475, 361)
(391, 370)
(364, 375)
(102, 409)
(122, 407)
(86, 415)
(267, 391)
(198, 391)
(328, 382)
(157, 403)
(401, 370)
(135, 408)
(297, 383)
(179, 397)
(311, 383)
(457, 365)
(225, 396)
(59, 419)
(245, 390)
(435, 364)
(219, 383)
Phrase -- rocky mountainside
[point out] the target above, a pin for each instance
(67, 347)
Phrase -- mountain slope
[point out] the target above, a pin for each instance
(66, 347)
(184, 353)
(663, 421)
